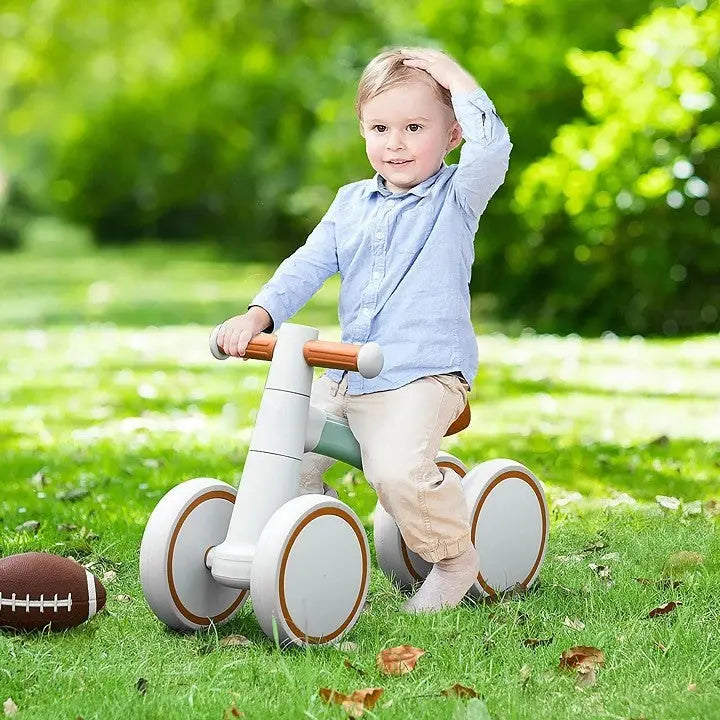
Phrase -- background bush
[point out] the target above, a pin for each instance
(232, 122)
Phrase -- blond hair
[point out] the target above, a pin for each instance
(386, 71)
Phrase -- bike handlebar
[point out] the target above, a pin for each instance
(366, 359)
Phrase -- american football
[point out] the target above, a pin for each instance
(39, 589)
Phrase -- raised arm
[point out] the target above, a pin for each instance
(485, 154)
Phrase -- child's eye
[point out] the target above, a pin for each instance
(414, 127)
(379, 128)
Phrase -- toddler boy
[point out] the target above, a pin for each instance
(403, 245)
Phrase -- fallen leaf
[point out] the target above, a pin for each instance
(123, 598)
(603, 572)
(669, 503)
(536, 642)
(712, 508)
(682, 562)
(692, 508)
(664, 583)
(582, 655)
(661, 440)
(109, 576)
(597, 545)
(350, 666)
(611, 556)
(236, 641)
(459, 691)
(39, 480)
(692, 687)
(398, 660)
(30, 525)
(354, 704)
(664, 609)
(73, 494)
(66, 527)
(661, 647)
(574, 624)
(141, 686)
(347, 647)
(232, 712)
(10, 708)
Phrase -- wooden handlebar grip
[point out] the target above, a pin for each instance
(321, 353)
(261, 347)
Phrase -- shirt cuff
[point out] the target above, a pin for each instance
(476, 100)
(273, 307)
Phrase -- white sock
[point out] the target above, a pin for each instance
(446, 584)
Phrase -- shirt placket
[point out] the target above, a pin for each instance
(369, 298)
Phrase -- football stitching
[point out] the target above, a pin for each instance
(12, 602)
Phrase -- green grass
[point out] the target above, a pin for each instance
(107, 387)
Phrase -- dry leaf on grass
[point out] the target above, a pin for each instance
(664, 609)
(350, 666)
(536, 642)
(398, 660)
(664, 583)
(459, 691)
(232, 712)
(585, 660)
(236, 641)
(692, 687)
(584, 655)
(574, 624)
(669, 503)
(354, 704)
(10, 708)
(603, 572)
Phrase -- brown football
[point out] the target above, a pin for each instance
(39, 589)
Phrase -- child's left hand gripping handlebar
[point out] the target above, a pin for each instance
(366, 359)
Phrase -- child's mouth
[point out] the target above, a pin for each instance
(399, 162)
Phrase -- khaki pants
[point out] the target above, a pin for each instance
(399, 432)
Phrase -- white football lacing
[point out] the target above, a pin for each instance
(13, 603)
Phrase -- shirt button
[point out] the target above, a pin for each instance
(376, 275)
(379, 235)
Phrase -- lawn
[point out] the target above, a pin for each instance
(109, 397)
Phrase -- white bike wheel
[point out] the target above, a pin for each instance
(404, 567)
(508, 524)
(189, 520)
(311, 571)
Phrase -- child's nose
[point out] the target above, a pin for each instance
(394, 140)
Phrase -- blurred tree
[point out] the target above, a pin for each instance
(624, 212)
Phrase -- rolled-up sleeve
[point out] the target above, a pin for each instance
(300, 276)
(485, 154)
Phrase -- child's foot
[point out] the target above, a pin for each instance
(446, 585)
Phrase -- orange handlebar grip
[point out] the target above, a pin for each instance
(261, 347)
(322, 353)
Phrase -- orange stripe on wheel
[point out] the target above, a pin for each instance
(339, 512)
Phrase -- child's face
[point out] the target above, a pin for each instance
(408, 124)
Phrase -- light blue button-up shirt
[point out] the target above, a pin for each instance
(404, 259)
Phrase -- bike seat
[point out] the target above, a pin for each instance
(461, 422)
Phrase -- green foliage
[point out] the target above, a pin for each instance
(233, 120)
(625, 230)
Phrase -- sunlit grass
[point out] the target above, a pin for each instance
(109, 393)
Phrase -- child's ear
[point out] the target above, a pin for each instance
(455, 136)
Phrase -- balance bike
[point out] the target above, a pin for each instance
(304, 560)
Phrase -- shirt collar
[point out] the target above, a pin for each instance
(377, 184)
